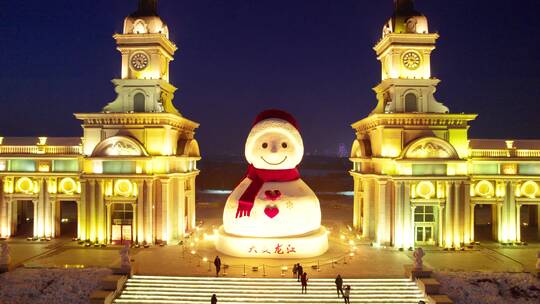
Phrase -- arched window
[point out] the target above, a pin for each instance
(411, 103)
(140, 27)
(139, 103)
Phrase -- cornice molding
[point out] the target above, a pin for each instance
(144, 41)
(145, 119)
(401, 39)
(413, 119)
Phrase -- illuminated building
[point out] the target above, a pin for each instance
(131, 175)
(418, 179)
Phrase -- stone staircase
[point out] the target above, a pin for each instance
(159, 289)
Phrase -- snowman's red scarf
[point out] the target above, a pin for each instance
(258, 177)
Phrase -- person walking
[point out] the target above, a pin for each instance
(339, 285)
(304, 280)
(295, 270)
(347, 294)
(214, 299)
(299, 272)
(217, 263)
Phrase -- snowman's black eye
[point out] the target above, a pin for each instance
(265, 145)
(284, 145)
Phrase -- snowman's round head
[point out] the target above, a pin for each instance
(274, 142)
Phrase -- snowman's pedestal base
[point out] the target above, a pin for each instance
(303, 246)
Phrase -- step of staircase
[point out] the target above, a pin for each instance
(183, 290)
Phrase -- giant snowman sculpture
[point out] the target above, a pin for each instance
(272, 213)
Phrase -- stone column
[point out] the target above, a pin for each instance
(166, 226)
(383, 223)
(149, 212)
(48, 212)
(92, 211)
(183, 204)
(100, 209)
(9, 206)
(441, 223)
(51, 216)
(458, 216)
(176, 187)
(3, 212)
(468, 229)
(35, 203)
(356, 207)
(81, 213)
(134, 223)
(109, 224)
(448, 216)
(366, 220)
(13, 207)
(408, 218)
(40, 222)
(518, 222)
(472, 222)
(140, 211)
(510, 233)
(413, 226)
(500, 226)
(4, 221)
(398, 229)
(192, 208)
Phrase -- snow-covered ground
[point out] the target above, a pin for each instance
(490, 288)
(45, 286)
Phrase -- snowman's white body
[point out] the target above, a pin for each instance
(299, 211)
(288, 226)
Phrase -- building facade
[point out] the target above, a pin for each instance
(418, 178)
(130, 177)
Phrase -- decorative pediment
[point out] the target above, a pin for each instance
(430, 148)
(119, 146)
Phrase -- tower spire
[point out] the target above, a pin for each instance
(146, 8)
(404, 6)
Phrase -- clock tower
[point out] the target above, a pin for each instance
(139, 153)
(404, 52)
(146, 53)
(410, 144)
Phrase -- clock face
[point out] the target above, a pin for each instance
(139, 61)
(411, 60)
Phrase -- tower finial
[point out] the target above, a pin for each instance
(146, 8)
(404, 5)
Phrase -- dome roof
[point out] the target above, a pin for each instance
(145, 20)
(406, 19)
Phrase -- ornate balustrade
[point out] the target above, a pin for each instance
(53, 150)
(507, 153)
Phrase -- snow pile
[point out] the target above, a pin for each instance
(490, 288)
(44, 286)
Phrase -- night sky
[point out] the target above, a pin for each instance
(313, 58)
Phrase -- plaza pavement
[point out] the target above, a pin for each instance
(195, 256)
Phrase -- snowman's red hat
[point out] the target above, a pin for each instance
(279, 114)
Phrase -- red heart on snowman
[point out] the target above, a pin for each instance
(271, 211)
(272, 195)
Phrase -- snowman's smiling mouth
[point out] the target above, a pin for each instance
(274, 164)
